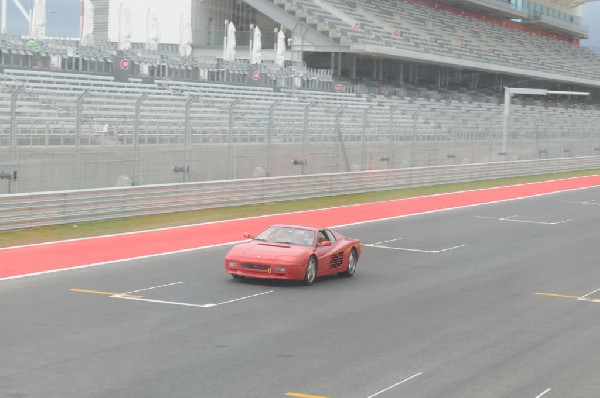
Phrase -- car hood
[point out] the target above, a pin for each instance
(267, 251)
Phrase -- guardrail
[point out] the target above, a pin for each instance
(53, 208)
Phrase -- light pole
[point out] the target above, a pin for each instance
(188, 138)
(136, 140)
(13, 135)
(80, 100)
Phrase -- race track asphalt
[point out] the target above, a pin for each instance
(489, 301)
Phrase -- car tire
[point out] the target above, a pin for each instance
(311, 271)
(239, 277)
(352, 261)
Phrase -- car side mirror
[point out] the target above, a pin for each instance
(248, 236)
(324, 243)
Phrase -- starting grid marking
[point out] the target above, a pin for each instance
(190, 304)
(300, 395)
(383, 245)
(513, 219)
(133, 297)
(154, 287)
(585, 297)
(587, 202)
(578, 298)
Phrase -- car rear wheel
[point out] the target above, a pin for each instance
(311, 271)
(351, 264)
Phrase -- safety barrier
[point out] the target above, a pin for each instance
(52, 208)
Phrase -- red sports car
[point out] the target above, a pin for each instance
(293, 252)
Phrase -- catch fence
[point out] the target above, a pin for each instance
(105, 135)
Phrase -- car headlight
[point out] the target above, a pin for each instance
(233, 264)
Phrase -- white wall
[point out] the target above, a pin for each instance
(168, 13)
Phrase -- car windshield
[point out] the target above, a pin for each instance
(288, 236)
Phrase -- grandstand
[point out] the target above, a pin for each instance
(365, 85)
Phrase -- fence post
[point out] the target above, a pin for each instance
(80, 100)
(305, 139)
(338, 113)
(363, 142)
(136, 140)
(187, 139)
(391, 136)
(230, 140)
(414, 136)
(13, 136)
(270, 138)
(506, 123)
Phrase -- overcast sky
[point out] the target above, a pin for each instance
(591, 19)
(63, 19)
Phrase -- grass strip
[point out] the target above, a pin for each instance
(115, 226)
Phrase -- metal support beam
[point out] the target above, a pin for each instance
(391, 135)
(414, 135)
(80, 100)
(13, 135)
(305, 139)
(270, 138)
(22, 10)
(188, 139)
(363, 141)
(230, 166)
(505, 125)
(338, 115)
(135, 178)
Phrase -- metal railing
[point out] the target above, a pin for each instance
(53, 208)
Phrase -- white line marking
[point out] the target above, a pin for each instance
(414, 250)
(512, 219)
(388, 241)
(452, 248)
(190, 304)
(153, 287)
(587, 202)
(244, 298)
(166, 302)
(535, 222)
(395, 385)
(589, 300)
(589, 294)
(544, 393)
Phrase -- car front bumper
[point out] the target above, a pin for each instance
(266, 271)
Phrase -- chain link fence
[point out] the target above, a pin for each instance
(64, 138)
